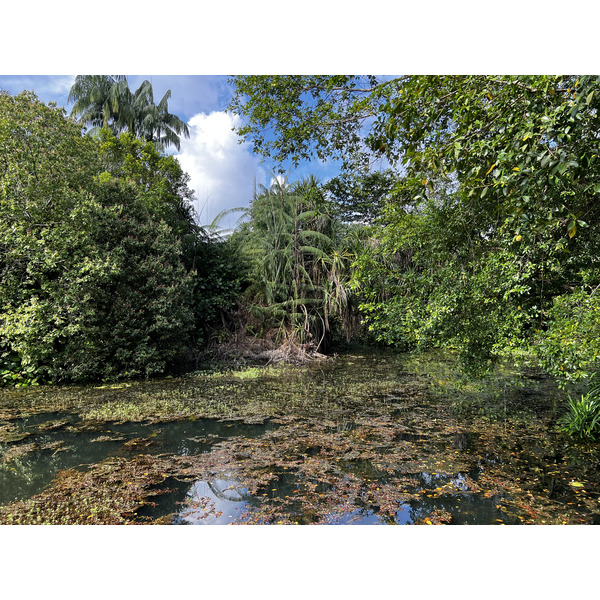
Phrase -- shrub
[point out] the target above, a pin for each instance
(93, 283)
(582, 418)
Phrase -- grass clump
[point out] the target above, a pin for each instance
(582, 418)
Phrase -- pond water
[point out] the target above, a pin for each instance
(58, 441)
(375, 438)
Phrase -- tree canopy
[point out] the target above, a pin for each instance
(106, 101)
(490, 240)
(98, 250)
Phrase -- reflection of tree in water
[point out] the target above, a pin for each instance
(24, 475)
(231, 493)
(210, 501)
(462, 441)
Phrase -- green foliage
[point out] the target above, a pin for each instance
(14, 374)
(93, 277)
(570, 346)
(97, 99)
(486, 240)
(161, 184)
(361, 198)
(163, 189)
(420, 290)
(130, 293)
(102, 101)
(298, 260)
(310, 116)
(582, 418)
(218, 274)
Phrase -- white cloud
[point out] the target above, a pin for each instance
(61, 84)
(280, 179)
(222, 171)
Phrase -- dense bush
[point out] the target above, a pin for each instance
(162, 187)
(297, 256)
(93, 281)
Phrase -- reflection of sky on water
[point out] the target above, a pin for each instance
(368, 517)
(220, 501)
(223, 501)
(216, 503)
(28, 474)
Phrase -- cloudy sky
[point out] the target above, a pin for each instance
(271, 38)
(223, 172)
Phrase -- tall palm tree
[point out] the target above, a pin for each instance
(99, 100)
(299, 274)
(107, 101)
(153, 121)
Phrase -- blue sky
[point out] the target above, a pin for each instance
(269, 37)
(222, 171)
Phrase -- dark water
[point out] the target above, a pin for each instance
(371, 439)
(66, 447)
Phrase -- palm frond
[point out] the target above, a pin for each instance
(106, 100)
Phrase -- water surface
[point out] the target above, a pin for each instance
(377, 438)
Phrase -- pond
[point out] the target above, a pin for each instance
(371, 438)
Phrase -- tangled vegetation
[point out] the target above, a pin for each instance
(487, 239)
(101, 262)
(298, 256)
(480, 234)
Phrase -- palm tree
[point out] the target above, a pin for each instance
(107, 101)
(154, 122)
(99, 100)
(299, 273)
